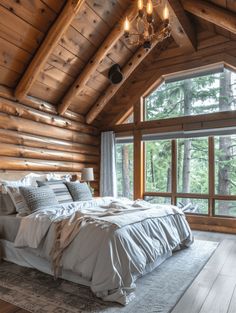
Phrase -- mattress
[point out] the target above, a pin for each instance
(9, 225)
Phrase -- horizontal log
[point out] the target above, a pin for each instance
(15, 137)
(45, 154)
(46, 107)
(10, 163)
(40, 105)
(36, 128)
(17, 109)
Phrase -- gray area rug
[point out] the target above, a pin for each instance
(156, 292)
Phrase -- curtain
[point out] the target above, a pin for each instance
(108, 185)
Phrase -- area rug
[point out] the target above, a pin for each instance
(156, 292)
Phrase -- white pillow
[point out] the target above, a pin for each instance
(12, 188)
(18, 200)
(30, 179)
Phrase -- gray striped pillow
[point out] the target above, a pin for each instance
(58, 186)
(79, 191)
(37, 198)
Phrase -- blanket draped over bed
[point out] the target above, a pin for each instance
(109, 242)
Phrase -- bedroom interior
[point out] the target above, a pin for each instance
(117, 156)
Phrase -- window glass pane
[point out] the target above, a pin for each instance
(225, 207)
(192, 165)
(129, 119)
(225, 165)
(124, 169)
(195, 206)
(158, 200)
(198, 95)
(158, 165)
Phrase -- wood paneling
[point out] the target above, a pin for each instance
(32, 140)
(50, 41)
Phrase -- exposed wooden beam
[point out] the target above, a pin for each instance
(92, 65)
(183, 30)
(211, 13)
(127, 70)
(52, 38)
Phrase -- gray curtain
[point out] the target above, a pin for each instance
(108, 185)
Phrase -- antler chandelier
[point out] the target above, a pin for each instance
(146, 32)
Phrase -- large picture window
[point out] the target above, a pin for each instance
(197, 174)
(203, 94)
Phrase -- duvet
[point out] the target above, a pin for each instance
(108, 242)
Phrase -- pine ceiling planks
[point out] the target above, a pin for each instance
(24, 24)
(36, 13)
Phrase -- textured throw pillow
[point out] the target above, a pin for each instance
(59, 188)
(7, 206)
(18, 200)
(37, 198)
(79, 191)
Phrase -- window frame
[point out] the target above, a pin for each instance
(211, 196)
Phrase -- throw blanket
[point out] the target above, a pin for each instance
(109, 242)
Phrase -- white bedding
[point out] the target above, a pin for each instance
(118, 240)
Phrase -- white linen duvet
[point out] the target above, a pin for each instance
(108, 242)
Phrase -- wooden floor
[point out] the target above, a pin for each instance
(10, 308)
(213, 290)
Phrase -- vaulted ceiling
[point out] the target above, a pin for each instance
(59, 52)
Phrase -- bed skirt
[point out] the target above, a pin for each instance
(26, 258)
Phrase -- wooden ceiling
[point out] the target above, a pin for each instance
(60, 51)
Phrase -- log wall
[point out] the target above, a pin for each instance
(33, 140)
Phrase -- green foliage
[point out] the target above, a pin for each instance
(121, 175)
(200, 95)
(168, 99)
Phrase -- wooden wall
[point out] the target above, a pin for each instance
(33, 140)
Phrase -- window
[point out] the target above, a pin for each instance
(192, 205)
(124, 168)
(197, 174)
(225, 165)
(204, 94)
(192, 165)
(158, 166)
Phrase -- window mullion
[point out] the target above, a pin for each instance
(174, 171)
(211, 160)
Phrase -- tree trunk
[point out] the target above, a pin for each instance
(224, 143)
(125, 171)
(187, 143)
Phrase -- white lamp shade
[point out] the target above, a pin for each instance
(87, 174)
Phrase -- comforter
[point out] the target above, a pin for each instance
(108, 242)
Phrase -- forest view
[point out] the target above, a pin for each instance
(199, 95)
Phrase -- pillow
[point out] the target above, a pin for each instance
(38, 197)
(7, 206)
(18, 200)
(59, 188)
(54, 176)
(79, 191)
(32, 178)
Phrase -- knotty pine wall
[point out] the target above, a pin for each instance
(35, 141)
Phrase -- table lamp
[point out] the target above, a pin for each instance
(87, 176)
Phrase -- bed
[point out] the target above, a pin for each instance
(104, 243)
